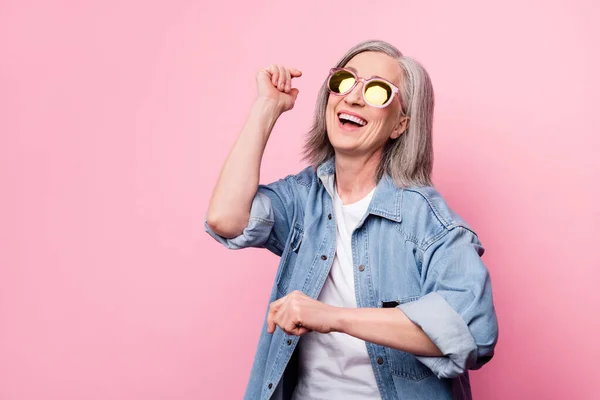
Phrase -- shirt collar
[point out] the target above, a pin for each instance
(387, 199)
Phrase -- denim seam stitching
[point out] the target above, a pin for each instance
(261, 219)
(434, 209)
(301, 182)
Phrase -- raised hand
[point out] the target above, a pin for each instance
(275, 83)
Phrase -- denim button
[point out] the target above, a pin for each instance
(361, 268)
(380, 361)
(323, 257)
(289, 342)
(270, 385)
(329, 216)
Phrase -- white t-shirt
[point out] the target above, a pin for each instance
(337, 365)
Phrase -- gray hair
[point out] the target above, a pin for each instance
(407, 159)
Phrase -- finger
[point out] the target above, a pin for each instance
(302, 330)
(270, 323)
(273, 310)
(277, 313)
(294, 93)
(296, 73)
(288, 80)
(281, 82)
(274, 74)
(291, 327)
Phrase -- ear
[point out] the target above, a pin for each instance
(400, 127)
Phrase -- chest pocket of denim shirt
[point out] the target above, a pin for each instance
(401, 363)
(288, 259)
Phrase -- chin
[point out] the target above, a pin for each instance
(344, 145)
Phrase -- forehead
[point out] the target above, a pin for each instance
(372, 63)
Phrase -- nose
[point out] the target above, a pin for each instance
(355, 96)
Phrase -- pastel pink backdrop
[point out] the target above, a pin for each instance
(116, 115)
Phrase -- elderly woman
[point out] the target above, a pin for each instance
(381, 291)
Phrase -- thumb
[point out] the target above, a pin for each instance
(303, 330)
(294, 93)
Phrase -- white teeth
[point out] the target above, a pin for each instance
(352, 118)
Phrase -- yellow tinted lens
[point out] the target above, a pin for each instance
(346, 84)
(341, 82)
(378, 93)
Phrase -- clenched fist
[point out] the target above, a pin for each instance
(297, 314)
(275, 83)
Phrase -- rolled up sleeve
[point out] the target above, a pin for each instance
(258, 230)
(269, 221)
(456, 309)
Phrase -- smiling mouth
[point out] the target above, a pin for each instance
(351, 120)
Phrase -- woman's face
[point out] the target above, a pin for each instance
(381, 123)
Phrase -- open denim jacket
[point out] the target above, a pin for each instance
(413, 251)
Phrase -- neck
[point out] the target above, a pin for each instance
(355, 176)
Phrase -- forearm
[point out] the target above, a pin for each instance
(388, 327)
(229, 207)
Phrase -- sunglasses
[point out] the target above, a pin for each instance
(377, 92)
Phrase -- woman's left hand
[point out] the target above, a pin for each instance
(297, 314)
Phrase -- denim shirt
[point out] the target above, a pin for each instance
(410, 251)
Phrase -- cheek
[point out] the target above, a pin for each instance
(386, 120)
(332, 103)
(330, 114)
(381, 128)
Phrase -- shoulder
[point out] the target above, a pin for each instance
(291, 186)
(426, 211)
(306, 177)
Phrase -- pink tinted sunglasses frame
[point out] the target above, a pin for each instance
(395, 90)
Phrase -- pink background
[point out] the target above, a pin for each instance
(115, 117)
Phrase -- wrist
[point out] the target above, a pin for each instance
(340, 317)
(264, 114)
(268, 106)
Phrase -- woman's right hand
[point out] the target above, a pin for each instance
(231, 201)
(274, 83)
